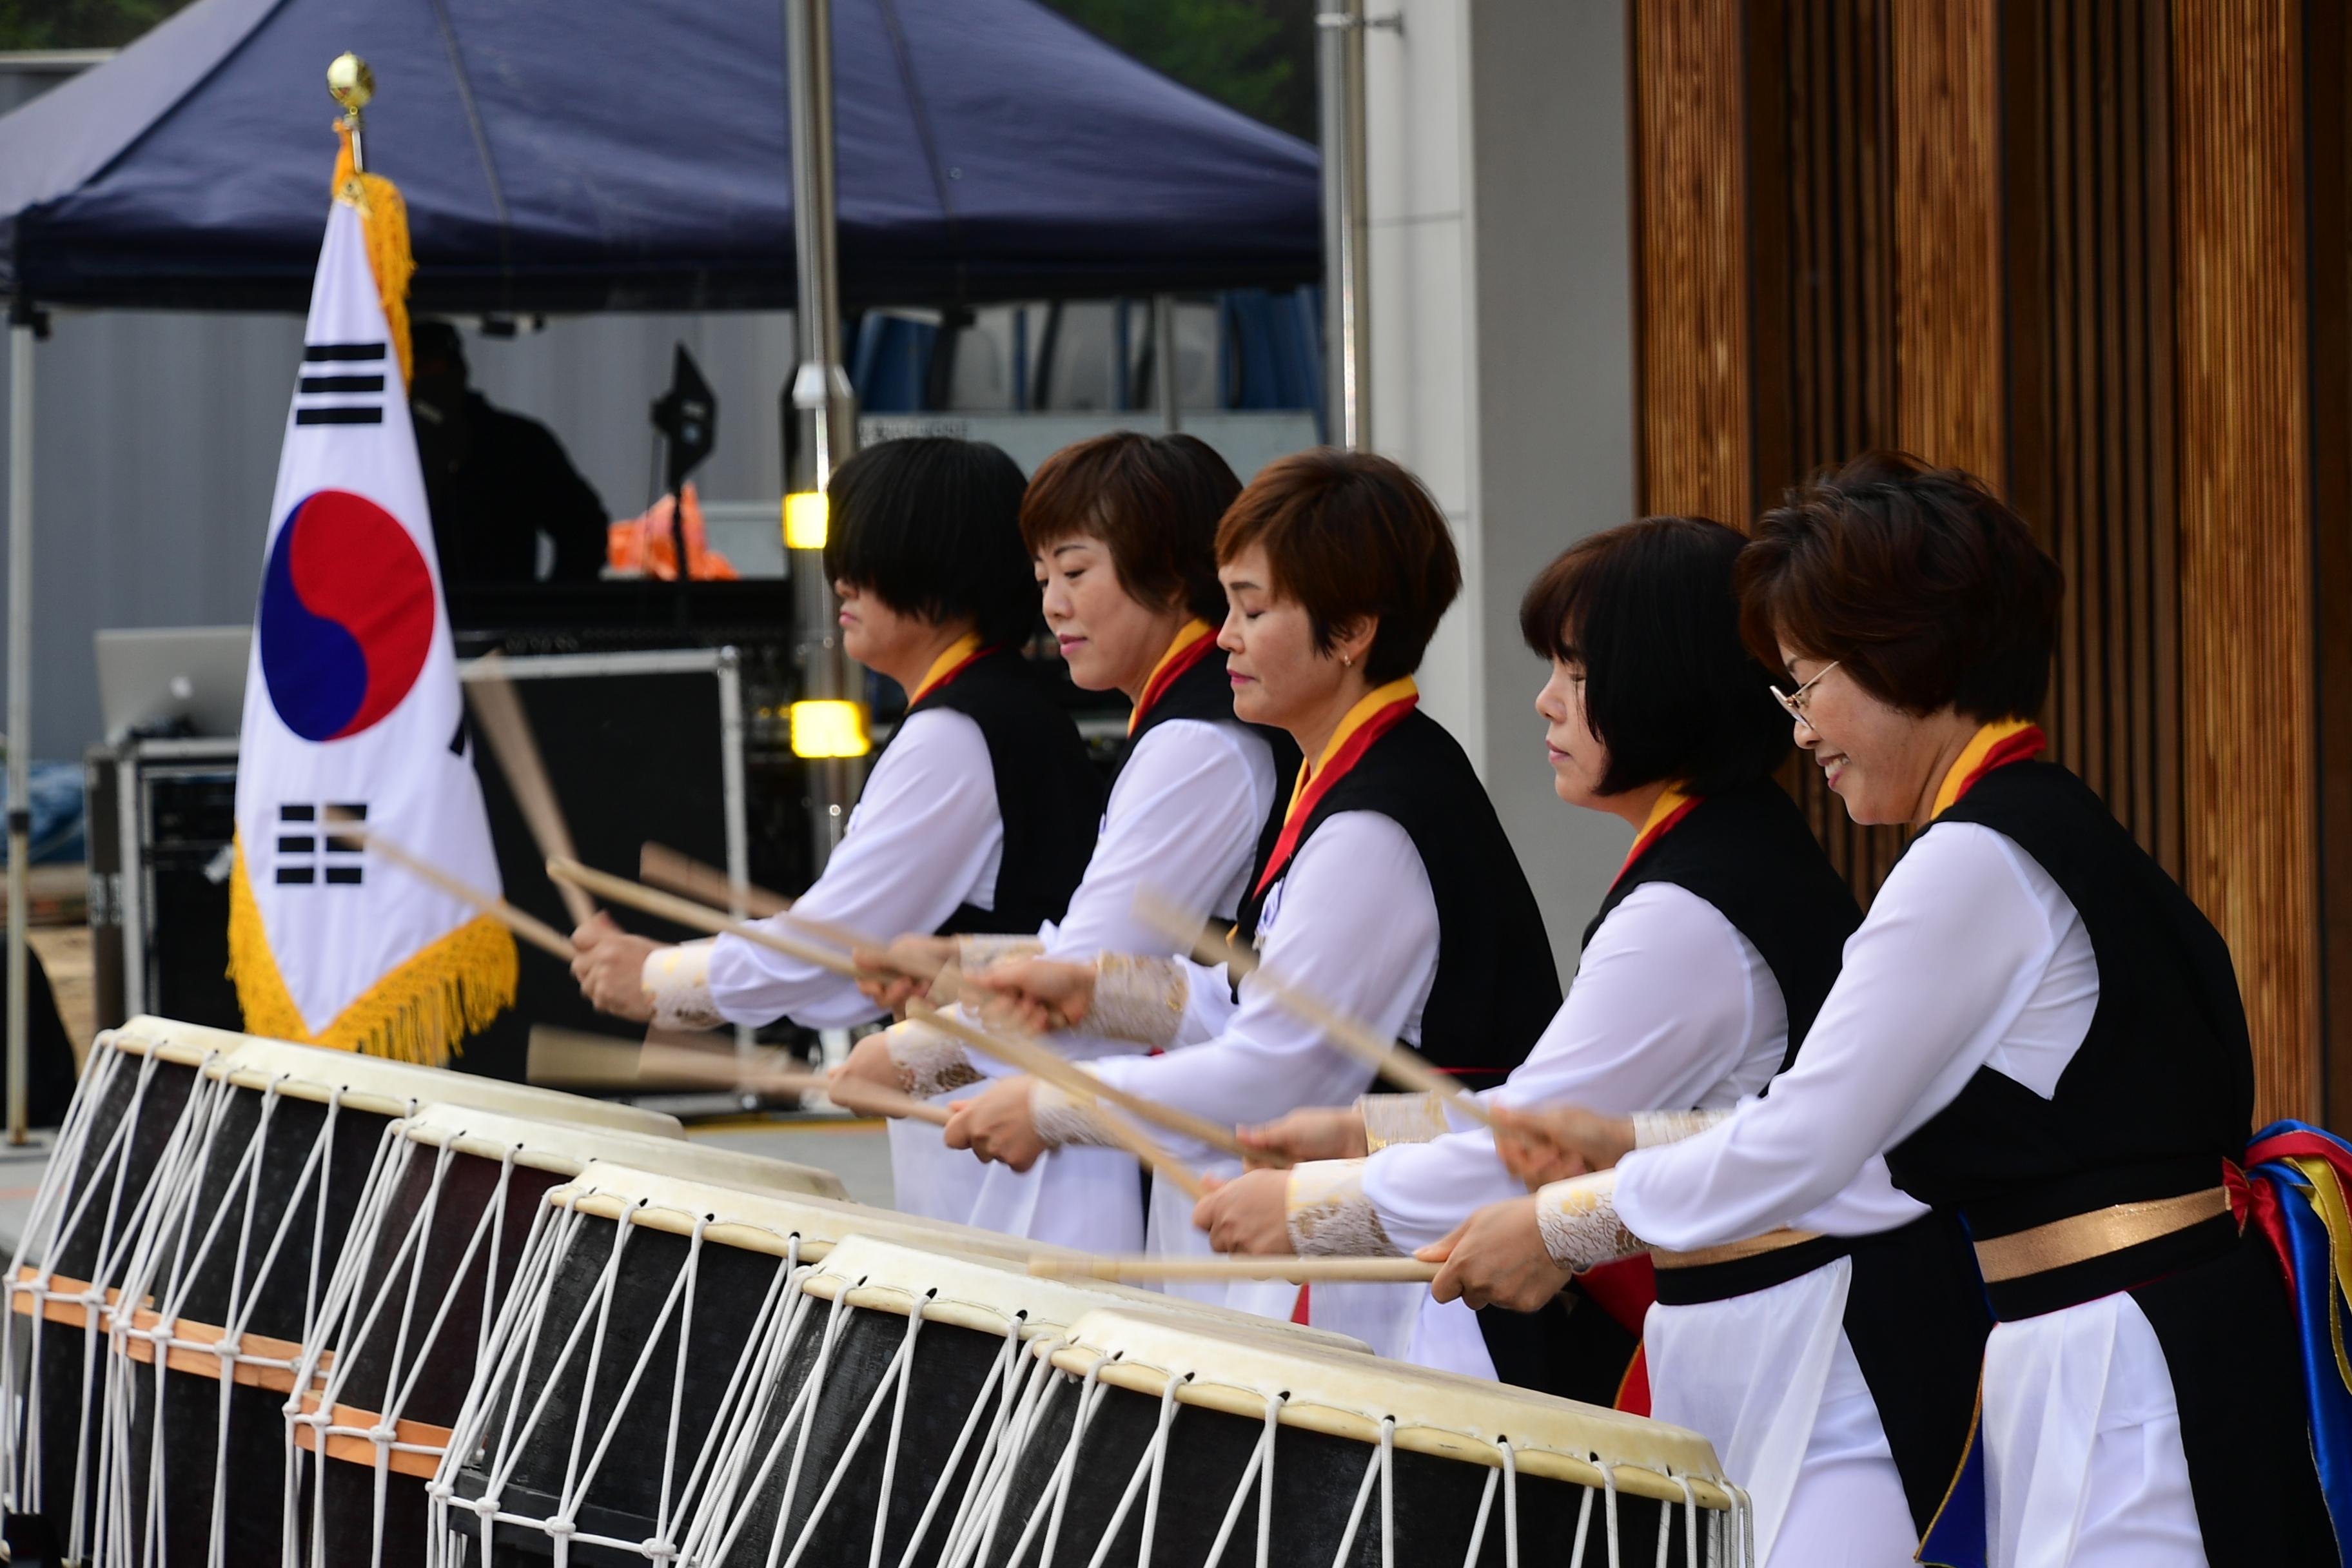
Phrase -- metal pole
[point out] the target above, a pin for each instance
(20, 710)
(1163, 360)
(1347, 326)
(822, 401)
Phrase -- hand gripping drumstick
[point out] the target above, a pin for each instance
(1235, 1266)
(1027, 1057)
(529, 927)
(1394, 1062)
(568, 1056)
(497, 713)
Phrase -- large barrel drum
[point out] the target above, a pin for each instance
(441, 1229)
(225, 1279)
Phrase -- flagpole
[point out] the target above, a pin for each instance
(20, 709)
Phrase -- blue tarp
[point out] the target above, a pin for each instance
(583, 154)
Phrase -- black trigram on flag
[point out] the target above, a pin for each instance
(309, 852)
(343, 383)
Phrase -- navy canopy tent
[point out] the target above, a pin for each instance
(586, 155)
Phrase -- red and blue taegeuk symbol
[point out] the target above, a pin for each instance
(346, 616)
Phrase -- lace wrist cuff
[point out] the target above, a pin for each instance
(1651, 1128)
(929, 1062)
(1138, 998)
(1578, 1221)
(1061, 1120)
(677, 981)
(1401, 1118)
(976, 952)
(1329, 1214)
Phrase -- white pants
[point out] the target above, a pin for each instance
(2084, 1467)
(1090, 1199)
(1769, 1379)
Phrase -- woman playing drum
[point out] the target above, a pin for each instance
(1122, 532)
(978, 815)
(1391, 891)
(2035, 1027)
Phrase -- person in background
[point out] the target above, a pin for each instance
(495, 480)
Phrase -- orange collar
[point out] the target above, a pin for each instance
(946, 666)
(1995, 745)
(1189, 646)
(1375, 714)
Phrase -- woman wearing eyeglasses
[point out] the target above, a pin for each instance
(1391, 889)
(2035, 1027)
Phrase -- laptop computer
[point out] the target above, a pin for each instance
(186, 679)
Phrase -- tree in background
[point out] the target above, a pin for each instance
(79, 23)
(1257, 55)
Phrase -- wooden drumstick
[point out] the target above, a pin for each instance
(1234, 1266)
(1025, 1056)
(1393, 1061)
(529, 927)
(665, 867)
(566, 1056)
(497, 714)
(658, 866)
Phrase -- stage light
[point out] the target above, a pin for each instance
(829, 729)
(805, 522)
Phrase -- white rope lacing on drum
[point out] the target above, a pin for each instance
(759, 1365)
(1376, 1469)
(979, 1514)
(1050, 1502)
(1743, 1508)
(736, 1490)
(1147, 1468)
(1495, 1481)
(1000, 1386)
(1261, 1461)
(896, 1378)
(1690, 1527)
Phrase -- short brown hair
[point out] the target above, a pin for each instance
(1920, 582)
(1647, 610)
(1350, 534)
(1154, 501)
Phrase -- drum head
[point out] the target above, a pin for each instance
(767, 1222)
(1441, 1414)
(569, 1149)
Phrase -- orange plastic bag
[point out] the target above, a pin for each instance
(644, 546)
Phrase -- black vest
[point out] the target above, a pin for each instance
(2159, 1093)
(2161, 1090)
(1496, 987)
(1203, 692)
(1048, 793)
(1749, 853)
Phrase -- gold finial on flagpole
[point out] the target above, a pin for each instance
(352, 84)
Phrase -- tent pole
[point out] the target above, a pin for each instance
(1163, 360)
(823, 404)
(20, 710)
(1347, 323)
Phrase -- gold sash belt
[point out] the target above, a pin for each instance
(2081, 1237)
(1733, 1251)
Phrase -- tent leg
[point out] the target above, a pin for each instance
(20, 710)
(1163, 360)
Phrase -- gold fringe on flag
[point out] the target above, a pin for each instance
(383, 218)
(420, 1010)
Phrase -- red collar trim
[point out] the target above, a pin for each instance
(1658, 828)
(1303, 800)
(940, 680)
(2019, 746)
(1180, 656)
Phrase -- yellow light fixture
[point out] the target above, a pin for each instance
(829, 729)
(804, 520)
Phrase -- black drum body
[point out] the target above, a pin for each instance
(282, 1220)
(431, 1261)
(130, 1109)
(1317, 1480)
(669, 1422)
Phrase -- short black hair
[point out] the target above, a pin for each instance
(932, 526)
(1648, 610)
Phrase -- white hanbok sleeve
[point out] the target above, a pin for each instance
(1955, 952)
(926, 837)
(1671, 1007)
(1184, 821)
(1356, 926)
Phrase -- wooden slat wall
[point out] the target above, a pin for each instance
(1825, 310)
(2089, 260)
(2245, 520)
(1691, 217)
(1948, 273)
